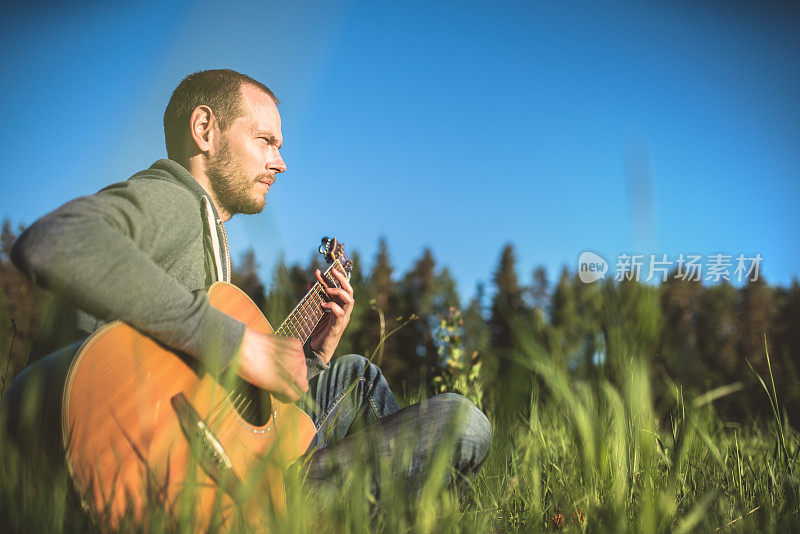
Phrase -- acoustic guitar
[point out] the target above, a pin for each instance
(144, 425)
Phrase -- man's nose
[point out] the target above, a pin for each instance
(277, 164)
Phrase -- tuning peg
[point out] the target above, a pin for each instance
(325, 246)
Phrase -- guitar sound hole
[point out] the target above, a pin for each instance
(251, 403)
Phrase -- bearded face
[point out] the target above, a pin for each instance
(241, 168)
(233, 189)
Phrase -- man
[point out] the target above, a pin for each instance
(144, 250)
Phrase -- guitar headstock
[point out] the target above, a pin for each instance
(333, 251)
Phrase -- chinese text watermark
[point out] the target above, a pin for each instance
(658, 267)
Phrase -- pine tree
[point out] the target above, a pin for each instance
(417, 295)
(381, 285)
(382, 300)
(754, 321)
(785, 347)
(511, 385)
(632, 323)
(716, 331)
(588, 304)
(564, 319)
(679, 345)
(7, 238)
(477, 336)
(540, 290)
(507, 304)
(300, 281)
(353, 339)
(24, 307)
(279, 301)
(445, 292)
(246, 278)
(6, 369)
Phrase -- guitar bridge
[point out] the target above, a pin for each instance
(206, 448)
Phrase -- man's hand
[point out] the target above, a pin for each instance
(274, 363)
(328, 332)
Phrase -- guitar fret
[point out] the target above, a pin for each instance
(304, 317)
(296, 327)
(320, 293)
(293, 327)
(307, 327)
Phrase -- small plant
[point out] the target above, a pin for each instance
(459, 374)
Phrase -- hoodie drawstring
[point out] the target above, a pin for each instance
(212, 226)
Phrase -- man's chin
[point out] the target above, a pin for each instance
(253, 207)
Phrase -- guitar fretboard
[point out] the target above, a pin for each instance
(306, 315)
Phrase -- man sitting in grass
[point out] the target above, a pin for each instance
(142, 251)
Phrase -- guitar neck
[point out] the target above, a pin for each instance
(307, 314)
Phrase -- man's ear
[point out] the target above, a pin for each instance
(201, 127)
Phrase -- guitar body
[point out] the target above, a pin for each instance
(127, 444)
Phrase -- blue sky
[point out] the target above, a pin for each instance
(460, 125)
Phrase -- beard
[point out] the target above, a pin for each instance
(231, 185)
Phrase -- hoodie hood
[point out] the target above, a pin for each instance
(216, 239)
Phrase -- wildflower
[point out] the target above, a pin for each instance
(579, 517)
(557, 521)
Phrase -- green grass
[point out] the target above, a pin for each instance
(587, 456)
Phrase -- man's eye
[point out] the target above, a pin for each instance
(271, 141)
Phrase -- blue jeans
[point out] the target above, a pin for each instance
(369, 416)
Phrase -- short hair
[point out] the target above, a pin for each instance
(218, 89)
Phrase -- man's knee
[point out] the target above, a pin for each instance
(351, 360)
(471, 428)
(355, 365)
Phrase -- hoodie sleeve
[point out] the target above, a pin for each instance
(93, 251)
(314, 363)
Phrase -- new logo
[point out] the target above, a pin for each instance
(591, 267)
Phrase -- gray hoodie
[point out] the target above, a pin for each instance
(144, 252)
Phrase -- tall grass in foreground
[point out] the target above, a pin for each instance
(588, 456)
(594, 457)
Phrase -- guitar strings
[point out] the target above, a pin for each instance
(246, 406)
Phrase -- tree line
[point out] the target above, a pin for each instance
(694, 337)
